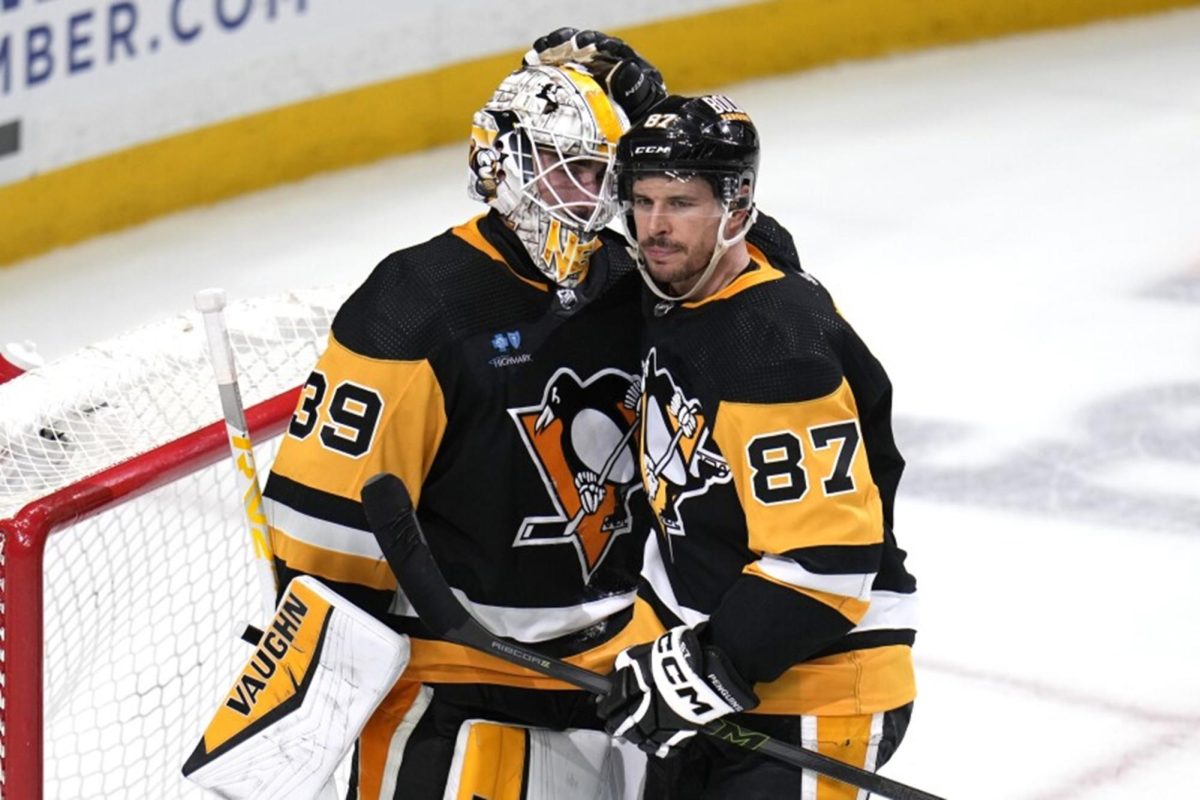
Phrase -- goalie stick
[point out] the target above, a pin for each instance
(211, 305)
(389, 511)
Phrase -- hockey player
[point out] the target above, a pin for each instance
(489, 369)
(767, 456)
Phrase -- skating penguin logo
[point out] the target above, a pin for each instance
(581, 437)
(675, 462)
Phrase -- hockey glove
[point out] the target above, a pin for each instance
(666, 690)
(630, 80)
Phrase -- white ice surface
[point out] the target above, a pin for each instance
(1015, 229)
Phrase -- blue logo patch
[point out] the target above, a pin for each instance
(509, 340)
(506, 344)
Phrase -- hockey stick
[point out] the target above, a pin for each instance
(389, 511)
(604, 471)
(211, 305)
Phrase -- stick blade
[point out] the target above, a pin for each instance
(389, 510)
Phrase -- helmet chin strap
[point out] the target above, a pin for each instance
(719, 249)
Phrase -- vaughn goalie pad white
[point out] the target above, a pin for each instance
(320, 670)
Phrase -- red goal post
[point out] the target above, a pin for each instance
(125, 570)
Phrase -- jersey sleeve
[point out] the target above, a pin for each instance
(365, 409)
(814, 529)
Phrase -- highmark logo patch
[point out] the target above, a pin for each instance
(507, 344)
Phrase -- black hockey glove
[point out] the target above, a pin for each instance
(664, 691)
(630, 80)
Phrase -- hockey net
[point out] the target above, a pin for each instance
(126, 573)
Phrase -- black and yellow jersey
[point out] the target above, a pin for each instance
(768, 460)
(503, 403)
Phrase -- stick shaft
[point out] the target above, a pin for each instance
(211, 304)
(389, 511)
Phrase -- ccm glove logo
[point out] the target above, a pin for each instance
(663, 691)
(680, 677)
(688, 679)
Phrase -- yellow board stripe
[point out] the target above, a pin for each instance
(417, 112)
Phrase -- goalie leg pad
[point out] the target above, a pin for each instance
(511, 762)
(320, 670)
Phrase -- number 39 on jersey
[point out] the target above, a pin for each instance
(345, 419)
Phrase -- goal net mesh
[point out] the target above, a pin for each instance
(142, 601)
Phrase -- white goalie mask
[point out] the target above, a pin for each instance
(541, 154)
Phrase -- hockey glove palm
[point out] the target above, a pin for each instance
(663, 692)
(630, 80)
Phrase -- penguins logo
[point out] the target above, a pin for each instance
(675, 462)
(580, 436)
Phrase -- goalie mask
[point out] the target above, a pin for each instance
(708, 137)
(541, 152)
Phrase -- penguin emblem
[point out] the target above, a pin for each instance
(581, 437)
(675, 460)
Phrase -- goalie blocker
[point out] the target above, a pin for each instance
(301, 700)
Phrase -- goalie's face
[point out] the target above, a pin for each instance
(542, 150)
(572, 186)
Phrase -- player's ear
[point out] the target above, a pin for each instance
(737, 222)
(741, 215)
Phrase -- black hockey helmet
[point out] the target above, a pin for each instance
(707, 136)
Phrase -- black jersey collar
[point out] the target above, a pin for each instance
(496, 233)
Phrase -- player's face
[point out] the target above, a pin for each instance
(677, 222)
(573, 184)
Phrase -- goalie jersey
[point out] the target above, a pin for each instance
(502, 404)
(768, 459)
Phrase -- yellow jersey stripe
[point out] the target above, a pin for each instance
(849, 607)
(469, 233)
(330, 564)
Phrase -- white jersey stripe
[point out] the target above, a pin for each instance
(889, 611)
(530, 624)
(785, 570)
(524, 624)
(321, 533)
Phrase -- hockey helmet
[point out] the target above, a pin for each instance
(707, 137)
(541, 154)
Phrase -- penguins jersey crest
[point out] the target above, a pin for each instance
(675, 456)
(581, 438)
